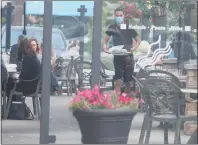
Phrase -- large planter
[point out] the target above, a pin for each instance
(105, 126)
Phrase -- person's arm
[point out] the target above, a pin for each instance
(13, 54)
(25, 66)
(106, 39)
(105, 43)
(136, 41)
(19, 55)
(53, 58)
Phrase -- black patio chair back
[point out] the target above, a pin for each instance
(162, 103)
(35, 99)
(161, 74)
(162, 97)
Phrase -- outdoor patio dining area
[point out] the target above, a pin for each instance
(163, 97)
(157, 102)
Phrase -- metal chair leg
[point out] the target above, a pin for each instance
(143, 130)
(9, 102)
(166, 133)
(67, 85)
(148, 131)
(177, 139)
(40, 101)
(4, 104)
(70, 87)
(74, 86)
(38, 107)
(34, 105)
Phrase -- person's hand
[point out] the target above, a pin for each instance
(106, 49)
(132, 49)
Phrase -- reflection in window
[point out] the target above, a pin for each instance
(58, 42)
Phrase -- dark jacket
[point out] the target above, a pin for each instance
(4, 74)
(31, 70)
(183, 51)
(13, 54)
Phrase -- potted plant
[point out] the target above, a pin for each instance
(103, 118)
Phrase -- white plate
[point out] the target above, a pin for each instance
(118, 50)
(11, 65)
(120, 53)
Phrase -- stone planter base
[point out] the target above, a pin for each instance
(105, 126)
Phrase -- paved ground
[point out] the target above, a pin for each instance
(64, 126)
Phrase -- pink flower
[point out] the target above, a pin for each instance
(94, 103)
(142, 101)
(96, 88)
(107, 97)
(122, 99)
(137, 92)
(129, 99)
(107, 105)
(101, 99)
(133, 15)
(77, 99)
(133, 6)
(128, 4)
(124, 94)
(85, 108)
(87, 94)
(139, 12)
(121, 1)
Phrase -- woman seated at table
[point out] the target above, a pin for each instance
(54, 83)
(31, 70)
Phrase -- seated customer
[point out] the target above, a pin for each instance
(14, 50)
(31, 70)
(34, 43)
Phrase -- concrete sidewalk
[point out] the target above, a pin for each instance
(65, 127)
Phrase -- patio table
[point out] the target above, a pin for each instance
(189, 91)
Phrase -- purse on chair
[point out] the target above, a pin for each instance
(20, 111)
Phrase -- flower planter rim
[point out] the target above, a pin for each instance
(106, 112)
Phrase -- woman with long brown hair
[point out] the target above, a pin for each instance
(36, 48)
(31, 70)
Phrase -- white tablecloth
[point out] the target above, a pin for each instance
(11, 68)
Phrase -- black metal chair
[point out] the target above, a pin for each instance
(161, 74)
(35, 97)
(163, 100)
(61, 71)
(4, 80)
(71, 76)
(84, 77)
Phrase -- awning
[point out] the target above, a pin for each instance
(60, 8)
